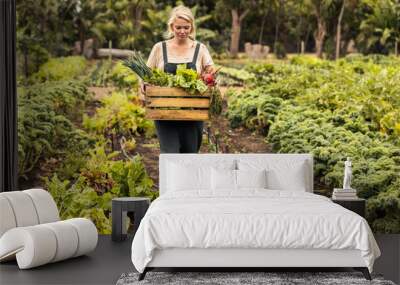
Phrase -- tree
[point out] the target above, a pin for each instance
(154, 25)
(38, 33)
(279, 12)
(339, 30)
(382, 24)
(321, 10)
(345, 5)
(239, 10)
(202, 34)
(264, 7)
(303, 23)
(85, 14)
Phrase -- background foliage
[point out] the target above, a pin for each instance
(51, 28)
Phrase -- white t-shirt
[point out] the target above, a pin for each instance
(156, 59)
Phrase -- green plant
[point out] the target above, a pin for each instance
(77, 200)
(384, 209)
(330, 48)
(44, 121)
(119, 115)
(61, 69)
(234, 77)
(99, 74)
(333, 110)
(185, 78)
(98, 180)
(255, 109)
(122, 77)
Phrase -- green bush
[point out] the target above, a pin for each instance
(107, 73)
(384, 209)
(307, 60)
(123, 77)
(334, 110)
(78, 200)
(44, 121)
(60, 69)
(87, 173)
(99, 74)
(329, 48)
(255, 109)
(100, 179)
(120, 115)
(304, 129)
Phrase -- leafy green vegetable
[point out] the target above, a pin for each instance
(185, 78)
(137, 64)
(189, 80)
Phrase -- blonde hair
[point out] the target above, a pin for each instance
(184, 13)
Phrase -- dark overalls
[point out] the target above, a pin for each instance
(179, 136)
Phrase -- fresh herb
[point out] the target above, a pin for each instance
(137, 64)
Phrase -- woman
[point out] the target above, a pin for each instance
(180, 136)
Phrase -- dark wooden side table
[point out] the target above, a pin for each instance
(356, 205)
(120, 208)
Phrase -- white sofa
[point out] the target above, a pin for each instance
(31, 231)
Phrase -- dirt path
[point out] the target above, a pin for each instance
(239, 140)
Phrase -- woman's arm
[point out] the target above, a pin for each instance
(152, 63)
(206, 61)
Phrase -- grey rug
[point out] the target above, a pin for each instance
(243, 278)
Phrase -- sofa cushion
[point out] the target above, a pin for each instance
(7, 220)
(40, 244)
(26, 208)
(45, 205)
(33, 244)
(23, 208)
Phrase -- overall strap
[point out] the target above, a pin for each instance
(196, 53)
(164, 51)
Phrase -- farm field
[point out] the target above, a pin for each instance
(83, 134)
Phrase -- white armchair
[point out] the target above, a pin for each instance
(31, 230)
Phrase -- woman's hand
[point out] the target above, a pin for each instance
(141, 94)
(142, 88)
(209, 69)
(209, 75)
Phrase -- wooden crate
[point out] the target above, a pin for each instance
(171, 103)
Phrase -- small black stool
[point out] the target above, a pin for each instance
(120, 208)
(355, 205)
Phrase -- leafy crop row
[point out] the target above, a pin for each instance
(44, 121)
(94, 162)
(333, 110)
